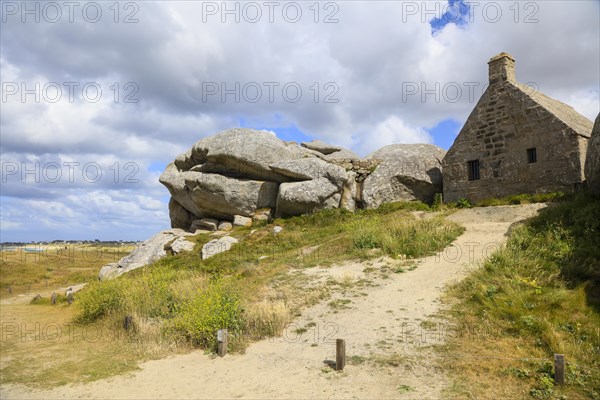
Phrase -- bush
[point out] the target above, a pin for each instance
(214, 307)
(100, 299)
(463, 203)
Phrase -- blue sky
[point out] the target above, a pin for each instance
(358, 74)
(457, 12)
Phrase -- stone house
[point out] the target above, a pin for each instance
(516, 140)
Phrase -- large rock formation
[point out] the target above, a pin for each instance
(406, 172)
(243, 175)
(243, 172)
(592, 163)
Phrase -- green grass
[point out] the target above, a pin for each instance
(538, 296)
(503, 201)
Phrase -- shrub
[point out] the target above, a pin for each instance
(463, 203)
(100, 299)
(437, 202)
(213, 307)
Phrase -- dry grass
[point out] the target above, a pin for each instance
(54, 266)
(266, 319)
(42, 347)
(261, 294)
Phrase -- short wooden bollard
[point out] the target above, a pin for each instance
(53, 298)
(70, 298)
(559, 369)
(340, 354)
(222, 342)
(10, 290)
(127, 324)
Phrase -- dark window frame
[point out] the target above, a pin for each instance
(531, 155)
(474, 170)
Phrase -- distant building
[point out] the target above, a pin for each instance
(515, 141)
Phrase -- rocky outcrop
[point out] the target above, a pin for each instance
(592, 163)
(406, 172)
(320, 187)
(252, 174)
(148, 252)
(244, 176)
(217, 196)
(239, 153)
(303, 197)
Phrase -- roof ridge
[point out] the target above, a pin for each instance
(562, 111)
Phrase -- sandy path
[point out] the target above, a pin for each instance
(386, 320)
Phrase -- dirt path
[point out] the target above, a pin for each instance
(382, 322)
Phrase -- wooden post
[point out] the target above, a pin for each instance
(10, 290)
(340, 354)
(559, 369)
(222, 342)
(53, 298)
(127, 324)
(70, 298)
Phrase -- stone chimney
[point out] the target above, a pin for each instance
(502, 68)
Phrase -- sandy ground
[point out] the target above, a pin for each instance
(380, 319)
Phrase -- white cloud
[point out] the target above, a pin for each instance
(394, 130)
(363, 62)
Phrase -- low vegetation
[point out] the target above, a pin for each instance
(538, 296)
(253, 290)
(508, 200)
(42, 267)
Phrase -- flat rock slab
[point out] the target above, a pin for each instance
(239, 220)
(147, 252)
(181, 244)
(217, 246)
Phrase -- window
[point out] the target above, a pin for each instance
(473, 167)
(531, 155)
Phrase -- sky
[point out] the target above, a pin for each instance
(98, 97)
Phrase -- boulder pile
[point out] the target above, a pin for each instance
(241, 175)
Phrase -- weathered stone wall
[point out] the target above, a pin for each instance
(508, 120)
(592, 165)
